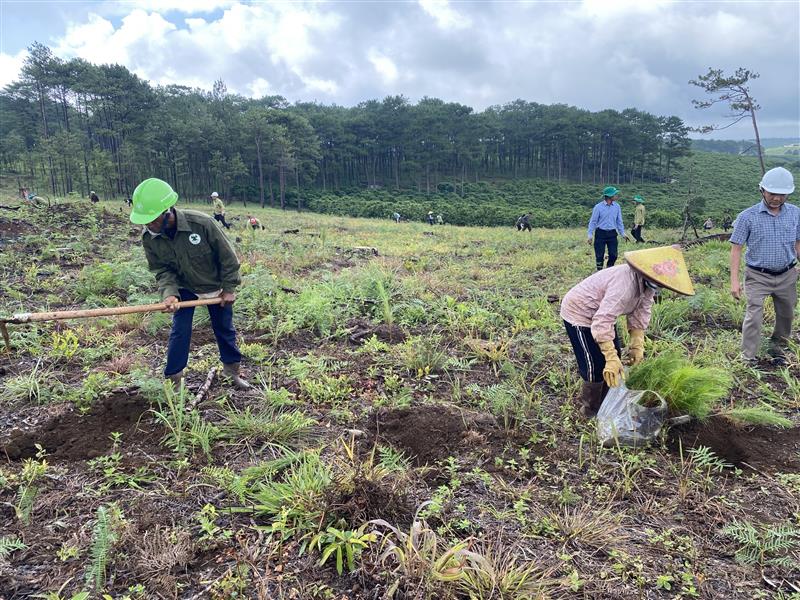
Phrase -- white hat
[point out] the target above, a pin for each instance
(214, 195)
(777, 181)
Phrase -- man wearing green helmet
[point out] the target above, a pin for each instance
(605, 223)
(638, 219)
(191, 258)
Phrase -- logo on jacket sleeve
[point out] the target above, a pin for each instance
(194, 238)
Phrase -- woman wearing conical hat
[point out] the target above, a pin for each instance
(590, 311)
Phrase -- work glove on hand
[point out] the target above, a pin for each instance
(636, 347)
(613, 373)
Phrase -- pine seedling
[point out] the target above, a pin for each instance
(687, 389)
(757, 416)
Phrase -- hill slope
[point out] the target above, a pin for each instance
(725, 182)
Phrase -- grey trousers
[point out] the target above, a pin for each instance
(757, 287)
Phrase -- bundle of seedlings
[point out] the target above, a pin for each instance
(695, 391)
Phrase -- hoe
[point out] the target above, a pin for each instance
(61, 315)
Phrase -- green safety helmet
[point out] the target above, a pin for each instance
(638, 198)
(151, 198)
(610, 191)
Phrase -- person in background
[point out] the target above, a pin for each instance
(709, 224)
(590, 311)
(191, 258)
(396, 217)
(430, 217)
(439, 219)
(771, 232)
(523, 223)
(219, 210)
(604, 224)
(638, 219)
(727, 222)
(94, 197)
(255, 224)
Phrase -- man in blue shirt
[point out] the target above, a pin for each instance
(771, 232)
(606, 221)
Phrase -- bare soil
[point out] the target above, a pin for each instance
(71, 436)
(764, 448)
(13, 227)
(429, 433)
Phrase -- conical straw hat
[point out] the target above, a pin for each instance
(664, 266)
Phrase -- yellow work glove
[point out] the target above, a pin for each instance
(613, 374)
(636, 347)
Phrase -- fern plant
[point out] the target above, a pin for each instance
(765, 545)
(104, 536)
(8, 544)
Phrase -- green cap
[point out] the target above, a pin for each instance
(638, 198)
(151, 198)
(610, 191)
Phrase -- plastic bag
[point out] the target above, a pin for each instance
(623, 420)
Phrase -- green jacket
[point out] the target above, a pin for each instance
(199, 259)
(219, 207)
(638, 217)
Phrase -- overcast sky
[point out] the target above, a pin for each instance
(594, 54)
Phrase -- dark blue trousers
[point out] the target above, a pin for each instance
(591, 361)
(181, 335)
(605, 238)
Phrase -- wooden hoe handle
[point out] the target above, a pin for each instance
(59, 315)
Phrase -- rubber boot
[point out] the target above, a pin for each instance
(232, 370)
(176, 379)
(592, 395)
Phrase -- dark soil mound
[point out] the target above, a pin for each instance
(763, 448)
(10, 228)
(425, 434)
(373, 500)
(73, 436)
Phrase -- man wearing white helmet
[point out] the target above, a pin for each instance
(219, 210)
(771, 232)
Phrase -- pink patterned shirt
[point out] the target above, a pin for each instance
(600, 299)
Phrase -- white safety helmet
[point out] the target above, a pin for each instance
(777, 181)
(214, 195)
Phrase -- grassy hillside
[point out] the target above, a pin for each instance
(788, 151)
(412, 433)
(726, 182)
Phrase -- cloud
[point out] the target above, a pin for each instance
(10, 66)
(383, 65)
(247, 46)
(444, 15)
(167, 6)
(259, 88)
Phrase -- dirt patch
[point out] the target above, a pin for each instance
(373, 500)
(13, 227)
(763, 448)
(429, 433)
(72, 436)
